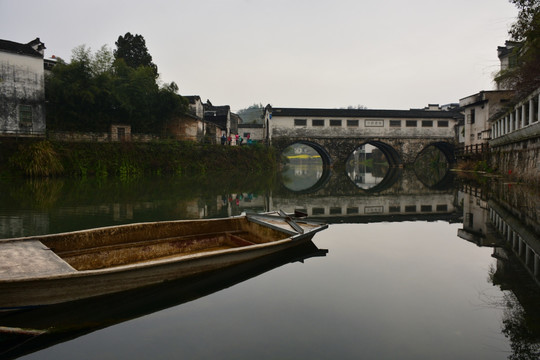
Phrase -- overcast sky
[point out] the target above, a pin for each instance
(391, 54)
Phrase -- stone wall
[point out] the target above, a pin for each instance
(518, 153)
(71, 136)
(519, 160)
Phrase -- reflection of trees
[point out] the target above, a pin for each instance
(431, 166)
(521, 317)
(37, 193)
(523, 341)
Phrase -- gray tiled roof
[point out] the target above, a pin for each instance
(17, 48)
(365, 113)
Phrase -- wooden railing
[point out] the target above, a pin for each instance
(472, 150)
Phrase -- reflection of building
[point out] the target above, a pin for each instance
(524, 243)
(476, 226)
(362, 166)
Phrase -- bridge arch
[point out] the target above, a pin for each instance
(325, 156)
(391, 154)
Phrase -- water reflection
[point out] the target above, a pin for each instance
(501, 219)
(489, 221)
(303, 168)
(432, 167)
(31, 330)
(367, 166)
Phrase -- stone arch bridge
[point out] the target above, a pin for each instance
(398, 151)
(336, 133)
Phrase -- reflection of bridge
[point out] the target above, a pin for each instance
(396, 181)
(428, 206)
(335, 133)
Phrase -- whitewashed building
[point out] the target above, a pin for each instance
(22, 88)
(433, 121)
(478, 109)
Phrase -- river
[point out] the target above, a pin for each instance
(408, 269)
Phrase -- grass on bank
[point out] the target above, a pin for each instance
(124, 160)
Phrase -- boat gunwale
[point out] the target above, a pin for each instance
(102, 228)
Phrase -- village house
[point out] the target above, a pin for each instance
(254, 132)
(22, 88)
(220, 116)
(192, 126)
(478, 109)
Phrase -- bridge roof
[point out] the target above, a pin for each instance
(366, 113)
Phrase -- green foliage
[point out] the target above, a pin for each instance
(94, 91)
(132, 49)
(37, 160)
(524, 75)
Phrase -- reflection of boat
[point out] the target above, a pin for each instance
(64, 267)
(30, 330)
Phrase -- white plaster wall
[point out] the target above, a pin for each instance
(21, 82)
(284, 126)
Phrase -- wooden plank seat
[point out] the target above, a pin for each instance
(133, 252)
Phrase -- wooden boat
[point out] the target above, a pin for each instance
(57, 268)
(31, 330)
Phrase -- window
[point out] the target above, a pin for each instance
(471, 117)
(352, 210)
(479, 136)
(395, 123)
(442, 207)
(442, 123)
(410, 208)
(352, 123)
(300, 122)
(335, 211)
(317, 122)
(394, 208)
(335, 122)
(425, 208)
(317, 211)
(25, 115)
(427, 123)
(410, 123)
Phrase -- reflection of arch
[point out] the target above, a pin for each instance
(388, 151)
(436, 180)
(321, 183)
(445, 183)
(446, 148)
(325, 156)
(392, 175)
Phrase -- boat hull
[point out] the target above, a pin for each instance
(63, 287)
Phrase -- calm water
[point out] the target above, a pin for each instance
(404, 270)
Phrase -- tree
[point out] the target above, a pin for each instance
(524, 77)
(132, 49)
(92, 92)
(527, 23)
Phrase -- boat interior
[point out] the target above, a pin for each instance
(129, 244)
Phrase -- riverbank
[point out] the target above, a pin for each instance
(127, 159)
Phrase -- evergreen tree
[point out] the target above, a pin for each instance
(132, 49)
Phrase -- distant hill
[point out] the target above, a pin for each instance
(252, 115)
